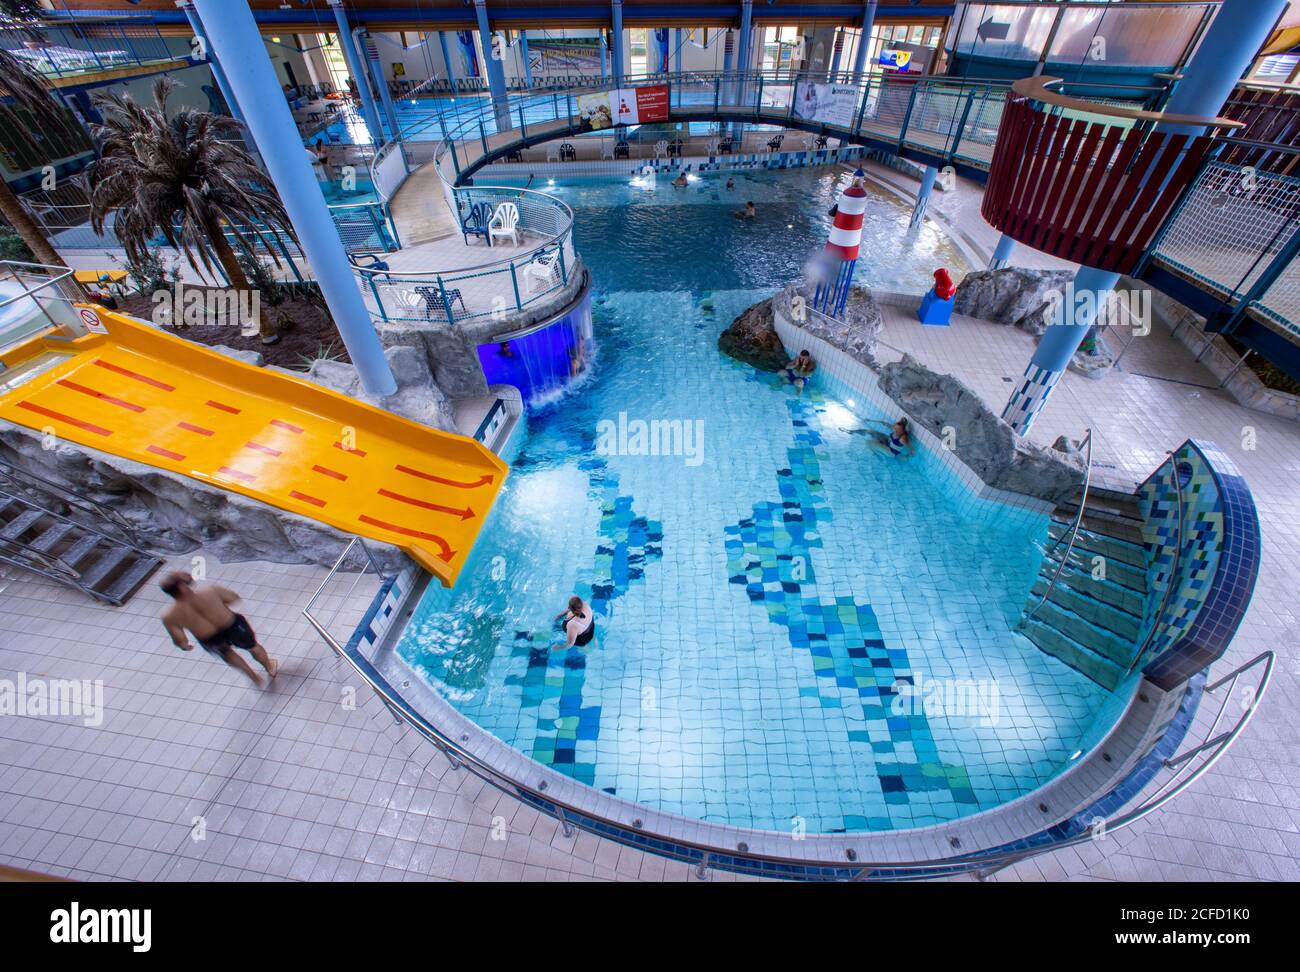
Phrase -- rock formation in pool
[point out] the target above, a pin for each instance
(752, 336)
(937, 402)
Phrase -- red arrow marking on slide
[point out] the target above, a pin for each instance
(483, 481)
(465, 514)
(446, 553)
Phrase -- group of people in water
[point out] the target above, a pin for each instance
(747, 212)
(893, 440)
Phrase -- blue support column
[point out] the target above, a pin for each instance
(616, 20)
(236, 42)
(1229, 46)
(678, 53)
(728, 50)
(1078, 312)
(219, 76)
(604, 57)
(1002, 254)
(864, 42)
(923, 196)
(496, 74)
(837, 51)
(742, 56)
(357, 69)
(371, 55)
(446, 59)
(523, 56)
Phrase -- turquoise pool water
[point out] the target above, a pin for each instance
(767, 599)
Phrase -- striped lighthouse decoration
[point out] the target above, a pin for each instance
(841, 254)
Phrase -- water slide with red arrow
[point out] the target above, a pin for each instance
(138, 392)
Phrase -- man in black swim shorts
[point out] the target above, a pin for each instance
(205, 612)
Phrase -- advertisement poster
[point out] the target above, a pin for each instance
(898, 60)
(623, 106)
(830, 104)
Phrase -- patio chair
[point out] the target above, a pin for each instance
(553, 152)
(661, 148)
(606, 151)
(373, 267)
(774, 143)
(622, 150)
(476, 223)
(505, 222)
(567, 152)
(543, 270)
(712, 147)
(433, 301)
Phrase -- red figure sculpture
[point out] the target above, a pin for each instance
(944, 288)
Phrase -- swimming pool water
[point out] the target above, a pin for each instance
(760, 597)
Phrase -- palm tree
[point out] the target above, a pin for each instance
(179, 178)
(24, 95)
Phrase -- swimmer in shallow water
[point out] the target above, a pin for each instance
(895, 442)
(681, 181)
(578, 622)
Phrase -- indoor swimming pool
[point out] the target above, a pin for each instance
(765, 584)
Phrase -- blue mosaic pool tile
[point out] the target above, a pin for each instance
(770, 553)
(628, 543)
(1216, 564)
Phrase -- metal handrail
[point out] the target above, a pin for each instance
(1073, 533)
(21, 478)
(1158, 620)
(519, 259)
(983, 863)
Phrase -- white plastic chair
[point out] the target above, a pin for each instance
(505, 222)
(712, 147)
(607, 150)
(661, 148)
(553, 152)
(543, 270)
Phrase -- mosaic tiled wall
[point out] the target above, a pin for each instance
(1212, 573)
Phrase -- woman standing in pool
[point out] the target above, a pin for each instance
(579, 623)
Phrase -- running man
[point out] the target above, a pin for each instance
(205, 612)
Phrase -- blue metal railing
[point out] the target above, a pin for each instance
(68, 50)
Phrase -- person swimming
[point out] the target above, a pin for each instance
(681, 181)
(749, 212)
(731, 183)
(578, 622)
(896, 442)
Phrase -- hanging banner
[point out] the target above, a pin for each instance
(623, 106)
(830, 104)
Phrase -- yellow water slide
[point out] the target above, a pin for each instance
(135, 391)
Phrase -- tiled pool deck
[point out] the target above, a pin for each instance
(291, 783)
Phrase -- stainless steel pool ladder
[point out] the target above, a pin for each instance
(1071, 534)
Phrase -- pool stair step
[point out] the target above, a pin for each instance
(1101, 670)
(1101, 543)
(1107, 591)
(1120, 574)
(108, 568)
(1121, 623)
(1092, 624)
